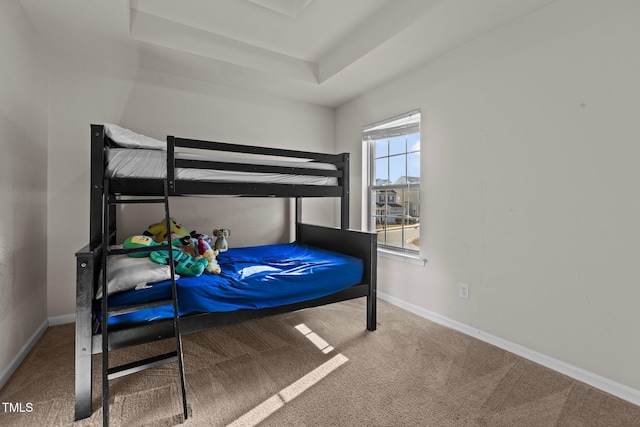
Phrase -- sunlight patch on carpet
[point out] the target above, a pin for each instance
(314, 338)
(287, 394)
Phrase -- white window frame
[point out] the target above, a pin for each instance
(404, 124)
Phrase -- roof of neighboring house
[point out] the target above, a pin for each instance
(409, 179)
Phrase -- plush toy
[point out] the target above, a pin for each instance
(159, 230)
(205, 251)
(188, 245)
(185, 264)
(200, 246)
(195, 235)
(221, 241)
(138, 242)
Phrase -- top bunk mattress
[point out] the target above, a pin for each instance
(251, 278)
(147, 163)
(140, 156)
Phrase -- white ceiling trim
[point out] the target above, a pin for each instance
(388, 22)
(163, 32)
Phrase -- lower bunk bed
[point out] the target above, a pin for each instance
(324, 265)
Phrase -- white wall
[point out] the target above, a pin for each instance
(87, 90)
(23, 181)
(530, 150)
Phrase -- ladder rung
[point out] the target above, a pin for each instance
(163, 246)
(124, 309)
(141, 365)
(134, 201)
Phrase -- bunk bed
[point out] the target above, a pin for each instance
(196, 167)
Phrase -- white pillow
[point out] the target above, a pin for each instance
(126, 273)
(129, 139)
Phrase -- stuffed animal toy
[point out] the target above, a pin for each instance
(206, 252)
(185, 264)
(188, 245)
(221, 241)
(159, 230)
(199, 245)
(195, 235)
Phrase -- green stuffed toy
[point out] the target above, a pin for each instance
(159, 230)
(185, 264)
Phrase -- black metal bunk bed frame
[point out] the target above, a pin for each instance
(359, 244)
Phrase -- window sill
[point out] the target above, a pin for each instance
(400, 256)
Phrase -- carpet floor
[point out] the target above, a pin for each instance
(316, 367)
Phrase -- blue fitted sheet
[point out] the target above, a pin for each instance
(252, 277)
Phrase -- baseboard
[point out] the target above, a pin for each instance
(620, 390)
(61, 320)
(26, 348)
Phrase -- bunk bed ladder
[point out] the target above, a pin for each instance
(108, 373)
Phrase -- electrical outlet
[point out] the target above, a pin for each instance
(463, 290)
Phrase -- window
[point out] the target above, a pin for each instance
(393, 148)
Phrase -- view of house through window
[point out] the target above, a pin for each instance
(394, 181)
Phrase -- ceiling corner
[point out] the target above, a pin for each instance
(290, 8)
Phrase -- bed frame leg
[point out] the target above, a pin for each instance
(372, 297)
(84, 277)
(83, 385)
(371, 312)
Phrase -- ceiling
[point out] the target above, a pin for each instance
(323, 52)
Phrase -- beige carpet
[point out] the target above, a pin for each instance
(410, 372)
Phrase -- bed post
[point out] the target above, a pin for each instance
(97, 176)
(171, 163)
(372, 296)
(298, 217)
(344, 200)
(85, 277)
